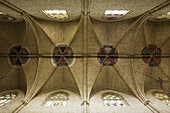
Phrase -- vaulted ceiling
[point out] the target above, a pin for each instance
(85, 31)
(96, 8)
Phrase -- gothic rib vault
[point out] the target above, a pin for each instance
(86, 33)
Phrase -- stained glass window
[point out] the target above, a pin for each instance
(5, 98)
(107, 55)
(6, 17)
(151, 55)
(115, 14)
(18, 56)
(112, 99)
(56, 14)
(57, 99)
(162, 97)
(63, 55)
(165, 16)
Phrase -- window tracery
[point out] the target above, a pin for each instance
(6, 17)
(57, 99)
(6, 98)
(162, 97)
(115, 14)
(112, 99)
(56, 14)
(164, 16)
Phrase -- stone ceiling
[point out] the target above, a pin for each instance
(96, 8)
(85, 33)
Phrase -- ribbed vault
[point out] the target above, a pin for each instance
(85, 33)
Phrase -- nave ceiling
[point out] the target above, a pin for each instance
(85, 34)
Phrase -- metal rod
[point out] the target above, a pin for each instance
(84, 56)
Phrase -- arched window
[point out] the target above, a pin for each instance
(57, 99)
(162, 97)
(112, 99)
(5, 98)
